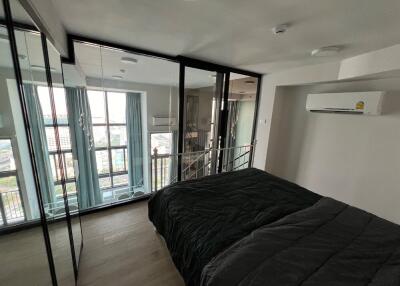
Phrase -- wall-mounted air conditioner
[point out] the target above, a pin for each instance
(368, 103)
(164, 121)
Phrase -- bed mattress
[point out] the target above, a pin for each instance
(251, 228)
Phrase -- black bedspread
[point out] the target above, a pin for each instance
(329, 243)
(201, 218)
(250, 228)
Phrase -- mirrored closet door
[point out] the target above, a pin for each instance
(39, 211)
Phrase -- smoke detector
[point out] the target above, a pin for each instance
(280, 29)
(326, 51)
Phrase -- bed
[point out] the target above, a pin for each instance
(251, 228)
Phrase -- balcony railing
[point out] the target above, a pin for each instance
(11, 208)
(197, 164)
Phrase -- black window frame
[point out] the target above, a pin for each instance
(109, 148)
(54, 153)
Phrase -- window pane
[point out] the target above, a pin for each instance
(118, 160)
(61, 105)
(97, 106)
(116, 107)
(7, 162)
(100, 136)
(58, 190)
(71, 188)
(64, 138)
(44, 99)
(69, 162)
(8, 184)
(54, 169)
(105, 182)
(120, 180)
(102, 162)
(118, 135)
(161, 141)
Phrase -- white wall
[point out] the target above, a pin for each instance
(161, 100)
(384, 62)
(355, 159)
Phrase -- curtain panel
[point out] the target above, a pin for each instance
(80, 124)
(135, 142)
(40, 148)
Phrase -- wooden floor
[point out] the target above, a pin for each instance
(121, 248)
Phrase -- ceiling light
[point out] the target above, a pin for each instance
(41, 68)
(117, 77)
(128, 60)
(326, 51)
(280, 29)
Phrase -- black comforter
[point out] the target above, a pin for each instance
(251, 228)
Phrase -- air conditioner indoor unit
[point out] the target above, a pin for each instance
(367, 103)
(164, 121)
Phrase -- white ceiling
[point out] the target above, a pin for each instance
(29, 47)
(237, 32)
(105, 63)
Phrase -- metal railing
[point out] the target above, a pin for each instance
(197, 164)
(11, 208)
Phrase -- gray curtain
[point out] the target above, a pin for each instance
(229, 155)
(135, 142)
(39, 141)
(89, 194)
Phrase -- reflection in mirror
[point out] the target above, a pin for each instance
(40, 109)
(241, 112)
(202, 98)
(23, 256)
(65, 138)
(123, 105)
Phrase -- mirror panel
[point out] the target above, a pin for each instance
(23, 252)
(41, 112)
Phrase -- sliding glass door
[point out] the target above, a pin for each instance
(240, 120)
(202, 103)
(219, 109)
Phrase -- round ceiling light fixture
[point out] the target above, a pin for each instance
(128, 60)
(280, 29)
(326, 51)
(41, 68)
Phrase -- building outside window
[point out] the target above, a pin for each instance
(11, 206)
(110, 139)
(65, 140)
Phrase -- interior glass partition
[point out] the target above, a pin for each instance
(241, 112)
(23, 256)
(40, 109)
(202, 94)
(37, 174)
(128, 105)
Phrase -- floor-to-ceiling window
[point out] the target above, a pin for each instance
(133, 106)
(110, 142)
(66, 149)
(11, 205)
